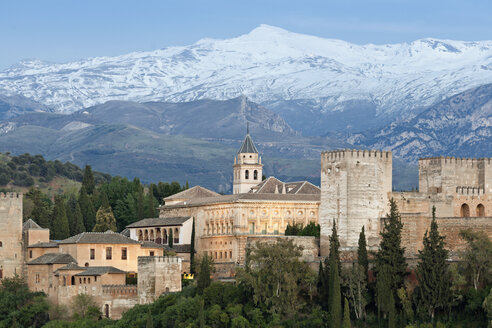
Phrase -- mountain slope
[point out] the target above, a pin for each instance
(15, 105)
(458, 126)
(319, 77)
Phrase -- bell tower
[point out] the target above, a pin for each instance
(248, 169)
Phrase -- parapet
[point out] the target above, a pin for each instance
(158, 259)
(11, 195)
(119, 289)
(470, 191)
(343, 154)
(443, 160)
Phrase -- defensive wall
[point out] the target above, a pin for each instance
(11, 245)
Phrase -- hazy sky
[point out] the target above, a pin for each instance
(67, 30)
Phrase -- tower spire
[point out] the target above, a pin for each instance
(247, 127)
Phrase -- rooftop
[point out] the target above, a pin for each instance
(159, 222)
(30, 224)
(108, 237)
(54, 258)
(273, 185)
(194, 192)
(50, 244)
(248, 146)
(98, 271)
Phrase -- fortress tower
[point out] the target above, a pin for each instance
(355, 186)
(248, 169)
(11, 251)
(158, 275)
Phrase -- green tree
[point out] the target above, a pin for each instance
(151, 204)
(41, 207)
(59, 228)
(87, 209)
(140, 205)
(88, 180)
(192, 248)
(277, 278)
(171, 238)
(487, 307)
(433, 272)
(355, 284)
(78, 221)
(362, 258)
(346, 315)
(150, 322)
(392, 312)
(104, 199)
(104, 220)
(391, 253)
(84, 306)
(204, 272)
(334, 261)
(336, 297)
(477, 257)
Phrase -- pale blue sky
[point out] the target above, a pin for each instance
(65, 30)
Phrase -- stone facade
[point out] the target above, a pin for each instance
(11, 244)
(158, 275)
(354, 192)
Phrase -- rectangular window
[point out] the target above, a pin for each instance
(37, 278)
(1, 244)
(264, 230)
(275, 228)
(93, 253)
(30, 254)
(252, 228)
(1, 273)
(109, 253)
(151, 253)
(123, 253)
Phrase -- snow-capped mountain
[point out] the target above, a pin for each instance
(270, 66)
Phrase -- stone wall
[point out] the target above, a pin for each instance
(11, 247)
(158, 275)
(354, 192)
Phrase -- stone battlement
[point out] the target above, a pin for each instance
(355, 153)
(119, 289)
(470, 191)
(159, 259)
(455, 160)
(10, 195)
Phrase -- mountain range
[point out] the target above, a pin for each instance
(317, 85)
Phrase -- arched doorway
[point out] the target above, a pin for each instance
(465, 211)
(106, 310)
(480, 210)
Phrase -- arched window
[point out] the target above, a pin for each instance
(246, 174)
(480, 210)
(106, 310)
(465, 211)
(255, 175)
(140, 235)
(176, 236)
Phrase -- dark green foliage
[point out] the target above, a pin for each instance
(104, 201)
(204, 272)
(150, 322)
(335, 296)
(59, 228)
(88, 180)
(346, 315)
(392, 312)
(334, 261)
(87, 209)
(78, 221)
(362, 258)
(21, 307)
(151, 208)
(433, 272)
(104, 220)
(192, 248)
(41, 212)
(477, 257)
(312, 229)
(391, 253)
(171, 238)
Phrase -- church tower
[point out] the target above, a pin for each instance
(248, 169)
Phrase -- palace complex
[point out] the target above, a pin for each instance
(356, 186)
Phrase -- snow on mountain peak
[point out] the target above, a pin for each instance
(267, 64)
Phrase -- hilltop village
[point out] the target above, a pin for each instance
(356, 186)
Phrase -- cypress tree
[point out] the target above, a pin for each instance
(192, 248)
(140, 205)
(87, 209)
(150, 322)
(392, 312)
(59, 226)
(433, 272)
(335, 247)
(78, 221)
(362, 259)
(346, 315)
(171, 238)
(41, 209)
(151, 203)
(334, 258)
(391, 253)
(70, 210)
(204, 274)
(104, 220)
(104, 199)
(88, 180)
(336, 297)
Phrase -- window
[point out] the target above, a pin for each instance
(64, 281)
(251, 227)
(37, 278)
(123, 253)
(230, 254)
(93, 253)
(109, 253)
(30, 254)
(264, 230)
(480, 210)
(89, 280)
(95, 278)
(73, 280)
(246, 174)
(1, 273)
(275, 228)
(151, 253)
(465, 211)
(255, 175)
(1, 244)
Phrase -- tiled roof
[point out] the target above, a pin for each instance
(151, 244)
(157, 222)
(179, 248)
(273, 185)
(107, 237)
(248, 146)
(53, 258)
(98, 270)
(126, 232)
(71, 266)
(193, 192)
(30, 224)
(50, 244)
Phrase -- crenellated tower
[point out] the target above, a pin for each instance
(355, 187)
(11, 250)
(248, 169)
